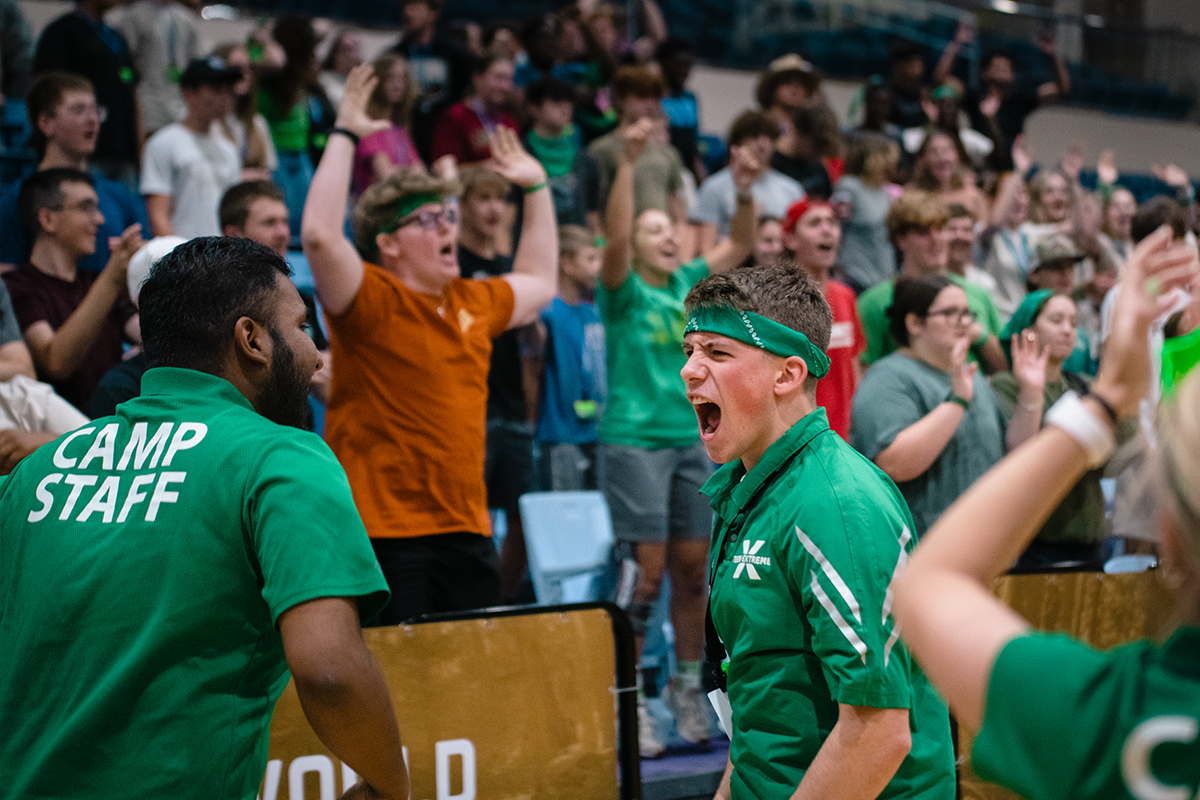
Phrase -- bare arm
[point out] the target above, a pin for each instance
(1061, 85)
(382, 166)
(336, 266)
(15, 445)
(863, 751)
(706, 236)
(945, 65)
(58, 353)
(618, 215)
(343, 693)
(991, 356)
(950, 621)
(15, 360)
(534, 277)
(723, 790)
(737, 248)
(158, 209)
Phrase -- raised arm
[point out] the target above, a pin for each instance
(336, 266)
(730, 252)
(1061, 85)
(962, 37)
(950, 620)
(58, 353)
(1012, 184)
(343, 693)
(618, 216)
(915, 448)
(534, 278)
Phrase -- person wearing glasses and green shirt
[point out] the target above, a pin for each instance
(924, 414)
(411, 342)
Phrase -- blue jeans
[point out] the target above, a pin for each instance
(293, 175)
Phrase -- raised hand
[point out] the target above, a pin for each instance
(1106, 168)
(962, 374)
(1171, 175)
(1048, 44)
(744, 167)
(1159, 264)
(989, 105)
(635, 138)
(1072, 161)
(445, 168)
(352, 111)
(1022, 156)
(965, 34)
(510, 159)
(121, 249)
(1029, 361)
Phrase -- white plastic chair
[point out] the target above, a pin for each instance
(569, 539)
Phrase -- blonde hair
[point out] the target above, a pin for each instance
(923, 178)
(1037, 186)
(916, 210)
(377, 206)
(1174, 475)
(574, 239)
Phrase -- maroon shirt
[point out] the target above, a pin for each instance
(37, 296)
(462, 132)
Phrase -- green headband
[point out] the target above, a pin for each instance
(761, 332)
(408, 204)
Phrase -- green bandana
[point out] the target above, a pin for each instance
(1179, 357)
(761, 332)
(408, 204)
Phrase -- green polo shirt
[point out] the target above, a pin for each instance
(874, 303)
(1063, 720)
(145, 559)
(805, 548)
(643, 327)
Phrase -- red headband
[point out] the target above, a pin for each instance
(798, 209)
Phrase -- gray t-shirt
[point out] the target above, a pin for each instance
(899, 390)
(163, 40)
(716, 202)
(657, 175)
(10, 331)
(866, 255)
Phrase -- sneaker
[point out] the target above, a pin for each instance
(649, 745)
(689, 706)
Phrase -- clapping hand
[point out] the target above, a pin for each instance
(1171, 175)
(635, 138)
(744, 167)
(1072, 161)
(352, 111)
(1021, 155)
(1106, 168)
(962, 374)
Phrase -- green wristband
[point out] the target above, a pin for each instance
(537, 187)
(953, 398)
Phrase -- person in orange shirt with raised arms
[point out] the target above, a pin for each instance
(411, 341)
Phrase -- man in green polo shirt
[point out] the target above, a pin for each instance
(916, 226)
(807, 539)
(161, 570)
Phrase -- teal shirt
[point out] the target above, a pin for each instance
(145, 560)
(811, 539)
(643, 327)
(1066, 721)
(874, 303)
(898, 391)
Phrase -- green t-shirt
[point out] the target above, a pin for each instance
(146, 560)
(1079, 518)
(1066, 721)
(812, 538)
(872, 312)
(289, 126)
(643, 326)
(898, 391)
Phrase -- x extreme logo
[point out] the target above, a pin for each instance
(749, 558)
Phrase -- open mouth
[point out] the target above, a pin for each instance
(709, 416)
(825, 248)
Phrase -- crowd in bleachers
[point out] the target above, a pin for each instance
(970, 279)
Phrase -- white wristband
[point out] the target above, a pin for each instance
(1093, 434)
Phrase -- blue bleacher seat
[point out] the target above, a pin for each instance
(569, 539)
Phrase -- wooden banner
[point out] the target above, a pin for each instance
(1102, 610)
(504, 708)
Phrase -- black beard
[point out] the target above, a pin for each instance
(285, 399)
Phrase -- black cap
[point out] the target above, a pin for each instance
(211, 71)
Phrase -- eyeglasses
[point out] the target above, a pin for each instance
(84, 206)
(428, 218)
(954, 314)
(86, 110)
